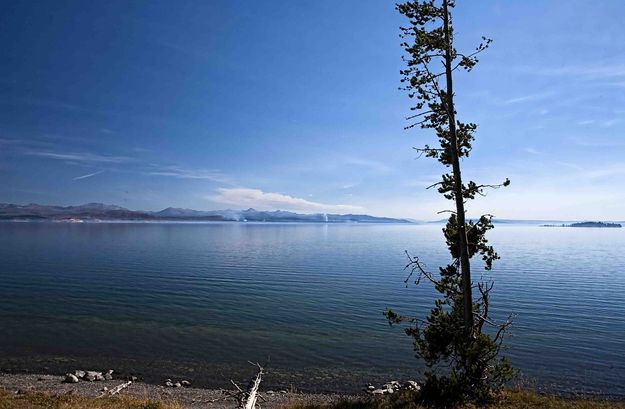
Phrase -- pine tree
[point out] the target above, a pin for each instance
(458, 334)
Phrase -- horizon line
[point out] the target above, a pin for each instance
(411, 219)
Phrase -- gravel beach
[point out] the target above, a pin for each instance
(186, 397)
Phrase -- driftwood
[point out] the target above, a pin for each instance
(247, 399)
(116, 389)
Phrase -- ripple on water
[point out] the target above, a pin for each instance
(309, 296)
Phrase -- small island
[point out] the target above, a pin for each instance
(595, 224)
(585, 224)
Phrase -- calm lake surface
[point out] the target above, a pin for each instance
(200, 300)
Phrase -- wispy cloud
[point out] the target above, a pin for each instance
(128, 164)
(610, 122)
(589, 70)
(20, 144)
(528, 98)
(366, 163)
(80, 156)
(44, 103)
(87, 175)
(532, 151)
(593, 142)
(8, 141)
(569, 165)
(256, 198)
(346, 186)
(185, 173)
(61, 105)
(586, 122)
(605, 172)
(602, 173)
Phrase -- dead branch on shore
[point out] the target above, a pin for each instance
(116, 389)
(247, 399)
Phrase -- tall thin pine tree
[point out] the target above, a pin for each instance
(454, 333)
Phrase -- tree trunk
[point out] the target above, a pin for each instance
(465, 267)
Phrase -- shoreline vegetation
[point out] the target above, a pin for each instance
(30, 391)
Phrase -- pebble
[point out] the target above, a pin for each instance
(92, 376)
(178, 384)
(412, 385)
(70, 378)
(392, 387)
(89, 376)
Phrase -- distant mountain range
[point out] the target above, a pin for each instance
(103, 212)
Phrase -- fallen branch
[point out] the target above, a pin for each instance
(116, 389)
(247, 399)
(252, 392)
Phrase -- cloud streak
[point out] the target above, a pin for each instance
(588, 71)
(256, 198)
(125, 164)
(532, 151)
(528, 98)
(367, 164)
(80, 157)
(586, 122)
(87, 175)
(594, 142)
(185, 173)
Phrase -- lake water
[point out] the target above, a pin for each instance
(200, 300)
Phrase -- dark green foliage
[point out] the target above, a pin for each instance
(458, 341)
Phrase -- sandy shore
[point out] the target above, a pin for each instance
(186, 397)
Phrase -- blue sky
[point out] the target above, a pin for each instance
(294, 105)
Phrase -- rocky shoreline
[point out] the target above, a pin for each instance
(183, 394)
(335, 380)
(187, 397)
(92, 383)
